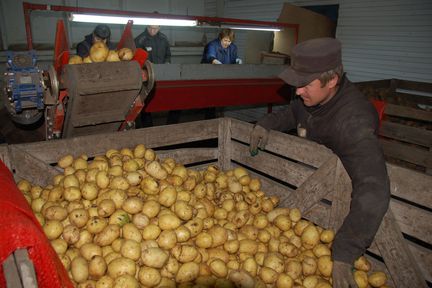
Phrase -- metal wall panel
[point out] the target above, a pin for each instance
(381, 39)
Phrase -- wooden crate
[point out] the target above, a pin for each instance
(302, 173)
(406, 130)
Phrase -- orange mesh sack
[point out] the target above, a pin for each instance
(19, 228)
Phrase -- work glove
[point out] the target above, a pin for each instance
(343, 275)
(215, 61)
(258, 139)
(239, 61)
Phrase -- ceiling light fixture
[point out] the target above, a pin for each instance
(255, 28)
(93, 18)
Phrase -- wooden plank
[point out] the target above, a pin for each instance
(341, 197)
(28, 167)
(374, 84)
(410, 185)
(285, 170)
(290, 146)
(224, 144)
(406, 133)
(408, 112)
(4, 155)
(11, 273)
(318, 214)
(187, 156)
(414, 99)
(25, 268)
(414, 85)
(398, 258)
(49, 151)
(316, 187)
(412, 220)
(406, 152)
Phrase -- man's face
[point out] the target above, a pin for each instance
(225, 42)
(313, 94)
(153, 30)
(98, 39)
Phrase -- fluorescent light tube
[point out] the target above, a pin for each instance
(91, 18)
(254, 28)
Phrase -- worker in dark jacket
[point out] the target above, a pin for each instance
(158, 48)
(101, 33)
(155, 43)
(221, 50)
(332, 112)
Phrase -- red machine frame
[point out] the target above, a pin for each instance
(191, 94)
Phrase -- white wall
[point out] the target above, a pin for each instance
(381, 39)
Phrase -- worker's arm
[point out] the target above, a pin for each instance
(167, 53)
(83, 49)
(361, 154)
(283, 120)
(211, 52)
(139, 41)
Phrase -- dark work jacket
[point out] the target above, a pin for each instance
(83, 48)
(157, 46)
(348, 125)
(214, 50)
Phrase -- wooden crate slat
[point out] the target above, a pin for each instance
(285, 170)
(406, 152)
(408, 112)
(224, 144)
(398, 258)
(414, 85)
(414, 99)
(4, 155)
(50, 151)
(410, 185)
(412, 220)
(341, 197)
(406, 133)
(316, 187)
(187, 156)
(28, 167)
(293, 147)
(318, 214)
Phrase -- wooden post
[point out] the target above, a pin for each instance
(396, 254)
(224, 145)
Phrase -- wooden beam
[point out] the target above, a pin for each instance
(407, 112)
(187, 156)
(398, 258)
(224, 144)
(406, 152)
(406, 133)
(316, 187)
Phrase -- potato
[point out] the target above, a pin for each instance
(184, 253)
(126, 281)
(108, 235)
(283, 222)
(327, 236)
(183, 210)
(125, 54)
(155, 170)
(140, 220)
(121, 266)
(79, 269)
(218, 268)
(169, 222)
(89, 250)
(167, 239)
(70, 181)
(250, 266)
(96, 225)
(72, 253)
(309, 266)
(377, 279)
(362, 264)
(97, 267)
(154, 257)
(85, 237)
(131, 249)
(112, 56)
(248, 246)
(56, 213)
(168, 196)
(99, 52)
(187, 272)
(130, 231)
(268, 275)
(102, 179)
(67, 160)
(284, 281)
(132, 205)
(89, 190)
(119, 217)
(310, 281)
(275, 262)
(325, 265)
(105, 282)
(310, 237)
(53, 229)
(204, 240)
(361, 279)
(183, 234)
(151, 232)
(151, 208)
(293, 269)
(195, 227)
(59, 245)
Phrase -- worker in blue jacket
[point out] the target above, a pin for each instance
(221, 50)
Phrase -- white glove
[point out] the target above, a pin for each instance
(239, 61)
(215, 61)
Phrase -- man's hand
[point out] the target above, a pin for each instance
(215, 61)
(342, 275)
(258, 139)
(239, 61)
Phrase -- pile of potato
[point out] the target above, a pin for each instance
(99, 52)
(129, 219)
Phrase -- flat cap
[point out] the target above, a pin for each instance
(309, 59)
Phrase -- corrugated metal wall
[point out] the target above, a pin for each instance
(381, 39)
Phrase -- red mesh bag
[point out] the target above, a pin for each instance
(19, 228)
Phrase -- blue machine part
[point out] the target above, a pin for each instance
(24, 81)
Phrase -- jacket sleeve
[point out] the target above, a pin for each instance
(234, 55)
(361, 154)
(167, 52)
(83, 49)
(283, 120)
(210, 53)
(139, 41)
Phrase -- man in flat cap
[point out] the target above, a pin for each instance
(101, 33)
(331, 111)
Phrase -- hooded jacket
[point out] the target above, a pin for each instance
(214, 50)
(157, 46)
(347, 124)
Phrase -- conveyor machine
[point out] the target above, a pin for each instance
(78, 99)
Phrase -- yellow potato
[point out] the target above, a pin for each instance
(53, 229)
(121, 266)
(325, 265)
(187, 272)
(377, 279)
(79, 269)
(362, 264)
(361, 279)
(97, 267)
(154, 257)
